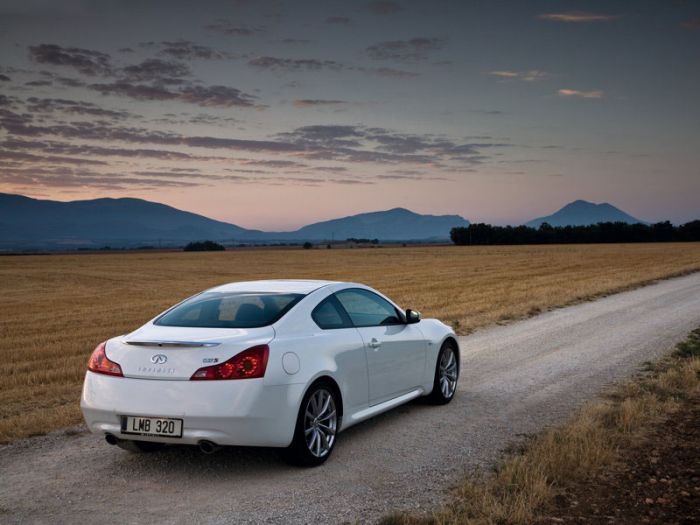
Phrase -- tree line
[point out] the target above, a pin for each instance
(603, 232)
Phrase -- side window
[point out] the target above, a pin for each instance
(368, 309)
(329, 315)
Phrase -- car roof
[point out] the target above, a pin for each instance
(303, 286)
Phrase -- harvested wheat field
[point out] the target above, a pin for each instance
(56, 308)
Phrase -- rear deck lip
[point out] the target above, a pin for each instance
(173, 344)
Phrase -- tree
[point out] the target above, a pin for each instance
(603, 232)
(204, 246)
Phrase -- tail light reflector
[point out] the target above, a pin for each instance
(246, 365)
(101, 364)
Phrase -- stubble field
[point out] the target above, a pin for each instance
(56, 308)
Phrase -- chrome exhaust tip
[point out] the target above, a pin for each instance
(208, 447)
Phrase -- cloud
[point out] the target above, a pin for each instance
(350, 182)
(312, 102)
(596, 93)
(61, 177)
(218, 96)
(314, 64)
(39, 83)
(187, 50)
(577, 17)
(379, 145)
(205, 96)
(23, 156)
(323, 142)
(384, 7)
(531, 75)
(691, 24)
(390, 72)
(487, 111)
(332, 169)
(4, 78)
(296, 41)
(341, 20)
(52, 147)
(179, 174)
(156, 70)
(217, 120)
(85, 61)
(294, 64)
(272, 163)
(227, 27)
(405, 50)
(152, 79)
(74, 107)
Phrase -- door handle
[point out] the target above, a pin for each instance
(374, 344)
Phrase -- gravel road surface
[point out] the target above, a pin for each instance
(516, 379)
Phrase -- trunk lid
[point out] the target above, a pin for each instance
(175, 353)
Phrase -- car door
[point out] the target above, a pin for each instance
(338, 335)
(396, 352)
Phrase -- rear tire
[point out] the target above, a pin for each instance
(316, 428)
(446, 375)
(139, 447)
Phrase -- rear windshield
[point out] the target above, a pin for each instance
(230, 310)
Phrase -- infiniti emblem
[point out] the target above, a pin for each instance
(159, 359)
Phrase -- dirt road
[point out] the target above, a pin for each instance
(516, 379)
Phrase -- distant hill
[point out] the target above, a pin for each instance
(33, 223)
(583, 213)
(26, 222)
(397, 224)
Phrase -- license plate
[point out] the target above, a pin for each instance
(152, 426)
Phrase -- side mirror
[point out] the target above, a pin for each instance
(412, 316)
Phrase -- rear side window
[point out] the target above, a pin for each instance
(230, 310)
(366, 308)
(329, 315)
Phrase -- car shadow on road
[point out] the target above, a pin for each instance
(232, 462)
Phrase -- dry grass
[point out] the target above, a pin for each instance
(54, 309)
(524, 485)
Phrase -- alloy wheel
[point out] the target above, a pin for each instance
(320, 423)
(448, 373)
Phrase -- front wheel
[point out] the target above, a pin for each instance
(446, 375)
(316, 427)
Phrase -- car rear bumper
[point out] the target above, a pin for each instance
(242, 412)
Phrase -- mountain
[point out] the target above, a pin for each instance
(397, 224)
(583, 213)
(93, 223)
(33, 223)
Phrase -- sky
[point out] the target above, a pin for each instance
(275, 114)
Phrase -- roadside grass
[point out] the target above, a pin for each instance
(524, 485)
(56, 308)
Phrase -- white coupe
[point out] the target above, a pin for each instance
(285, 363)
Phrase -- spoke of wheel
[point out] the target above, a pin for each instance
(326, 429)
(327, 417)
(326, 405)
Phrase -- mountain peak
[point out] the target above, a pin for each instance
(583, 213)
(31, 223)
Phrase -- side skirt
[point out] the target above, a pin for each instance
(372, 411)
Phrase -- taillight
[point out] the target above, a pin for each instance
(100, 364)
(246, 365)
